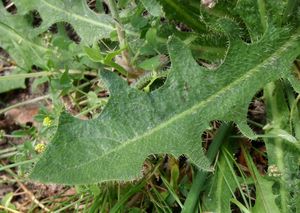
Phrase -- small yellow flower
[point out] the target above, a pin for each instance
(47, 121)
(39, 148)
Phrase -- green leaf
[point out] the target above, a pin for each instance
(167, 120)
(94, 54)
(257, 15)
(179, 11)
(224, 183)
(6, 201)
(283, 150)
(294, 81)
(13, 38)
(254, 16)
(14, 32)
(111, 55)
(153, 7)
(151, 63)
(89, 25)
(265, 198)
(221, 138)
(27, 48)
(6, 85)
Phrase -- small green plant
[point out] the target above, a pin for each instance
(152, 75)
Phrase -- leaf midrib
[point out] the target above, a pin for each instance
(195, 108)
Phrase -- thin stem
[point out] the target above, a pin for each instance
(40, 98)
(9, 209)
(25, 103)
(276, 108)
(7, 155)
(103, 102)
(16, 164)
(12, 136)
(42, 74)
(120, 30)
(71, 204)
(10, 149)
(32, 197)
(29, 193)
(26, 75)
(9, 5)
(263, 14)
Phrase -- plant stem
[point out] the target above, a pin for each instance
(7, 155)
(91, 108)
(263, 14)
(38, 99)
(9, 149)
(278, 111)
(71, 204)
(24, 103)
(120, 30)
(42, 74)
(16, 164)
(193, 196)
(29, 193)
(8, 209)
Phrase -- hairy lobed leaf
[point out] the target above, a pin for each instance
(14, 38)
(89, 25)
(170, 119)
(13, 31)
(23, 42)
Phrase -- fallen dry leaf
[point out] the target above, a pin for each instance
(24, 115)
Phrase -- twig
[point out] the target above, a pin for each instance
(91, 2)
(29, 193)
(16, 164)
(32, 197)
(45, 97)
(43, 74)
(7, 68)
(24, 103)
(9, 209)
(9, 5)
